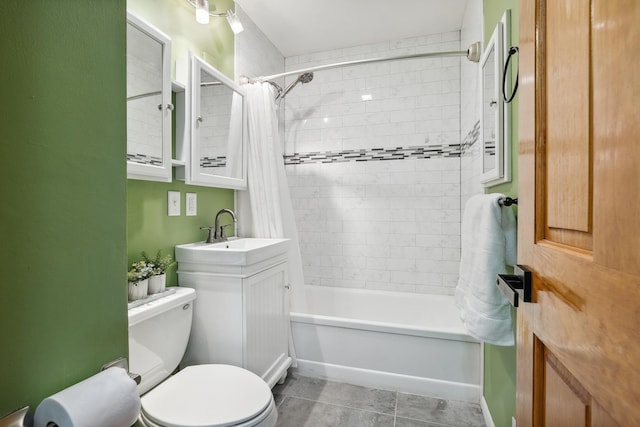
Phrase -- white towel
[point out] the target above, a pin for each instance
(488, 245)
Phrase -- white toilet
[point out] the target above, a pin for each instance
(201, 395)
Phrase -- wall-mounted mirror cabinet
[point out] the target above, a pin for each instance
(495, 129)
(148, 101)
(215, 146)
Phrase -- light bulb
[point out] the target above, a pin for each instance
(202, 11)
(234, 22)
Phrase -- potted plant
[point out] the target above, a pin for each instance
(138, 279)
(158, 275)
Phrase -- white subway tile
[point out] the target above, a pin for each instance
(434, 290)
(377, 217)
(341, 283)
(437, 241)
(402, 264)
(416, 278)
(429, 253)
(450, 280)
(451, 254)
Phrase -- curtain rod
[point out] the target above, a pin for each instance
(472, 54)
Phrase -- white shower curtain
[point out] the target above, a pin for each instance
(265, 209)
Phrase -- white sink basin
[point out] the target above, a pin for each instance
(235, 252)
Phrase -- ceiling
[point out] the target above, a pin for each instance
(305, 26)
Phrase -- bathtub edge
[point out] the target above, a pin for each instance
(391, 381)
(343, 322)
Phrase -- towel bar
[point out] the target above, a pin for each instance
(507, 201)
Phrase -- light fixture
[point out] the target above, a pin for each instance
(234, 22)
(203, 14)
(202, 11)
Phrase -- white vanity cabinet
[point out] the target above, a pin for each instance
(241, 315)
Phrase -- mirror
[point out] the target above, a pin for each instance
(495, 113)
(148, 102)
(217, 148)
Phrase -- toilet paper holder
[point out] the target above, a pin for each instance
(123, 363)
(17, 418)
(22, 418)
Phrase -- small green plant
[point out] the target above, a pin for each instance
(158, 265)
(139, 270)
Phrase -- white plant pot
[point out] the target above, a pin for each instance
(138, 290)
(157, 283)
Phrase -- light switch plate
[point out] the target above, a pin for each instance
(173, 203)
(191, 202)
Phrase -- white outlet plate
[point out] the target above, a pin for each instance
(173, 201)
(191, 202)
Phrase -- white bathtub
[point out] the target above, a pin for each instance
(390, 340)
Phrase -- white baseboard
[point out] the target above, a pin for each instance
(391, 381)
(488, 420)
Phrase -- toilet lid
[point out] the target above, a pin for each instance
(207, 395)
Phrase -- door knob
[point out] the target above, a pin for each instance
(516, 286)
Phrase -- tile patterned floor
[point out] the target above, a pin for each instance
(312, 402)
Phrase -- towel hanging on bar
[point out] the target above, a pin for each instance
(488, 237)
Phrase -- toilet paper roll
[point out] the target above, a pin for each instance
(108, 399)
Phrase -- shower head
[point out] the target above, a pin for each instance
(302, 78)
(305, 77)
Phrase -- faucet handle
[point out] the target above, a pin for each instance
(211, 238)
(222, 227)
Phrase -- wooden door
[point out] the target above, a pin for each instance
(579, 213)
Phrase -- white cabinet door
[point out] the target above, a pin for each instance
(242, 321)
(266, 327)
(213, 141)
(149, 106)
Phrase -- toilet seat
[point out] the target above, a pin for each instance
(210, 396)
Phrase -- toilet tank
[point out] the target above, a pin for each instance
(158, 335)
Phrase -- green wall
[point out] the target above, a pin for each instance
(63, 184)
(69, 218)
(213, 42)
(500, 362)
(148, 226)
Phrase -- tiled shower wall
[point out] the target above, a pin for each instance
(373, 162)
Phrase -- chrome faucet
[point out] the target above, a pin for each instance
(216, 233)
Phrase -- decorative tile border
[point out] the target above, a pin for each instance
(366, 155)
(213, 162)
(362, 155)
(472, 137)
(490, 148)
(144, 159)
